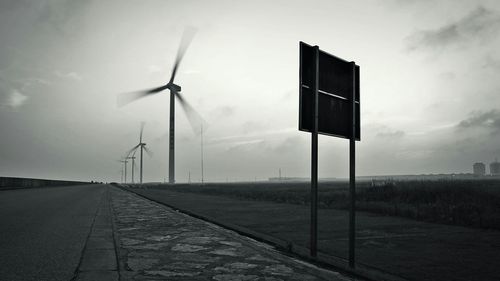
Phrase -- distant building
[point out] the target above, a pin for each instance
(479, 169)
(495, 168)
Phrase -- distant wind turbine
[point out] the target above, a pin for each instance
(124, 169)
(142, 146)
(132, 165)
(193, 117)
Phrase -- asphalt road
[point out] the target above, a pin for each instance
(43, 231)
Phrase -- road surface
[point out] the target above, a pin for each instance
(43, 230)
(101, 232)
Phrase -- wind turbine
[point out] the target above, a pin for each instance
(193, 117)
(125, 169)
(132, 165)
(142, 146)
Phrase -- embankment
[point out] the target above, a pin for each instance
(15, 183)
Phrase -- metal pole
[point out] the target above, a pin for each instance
(202, 175)
(171, 155)
(352, 171)
(314, 157)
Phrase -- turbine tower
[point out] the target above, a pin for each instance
(132, 165)
(124, 169)
(193, 117)
(142, 147)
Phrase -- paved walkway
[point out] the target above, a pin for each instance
(158, 243)
(99, 259)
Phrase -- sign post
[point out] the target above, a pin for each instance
(352, 171)
(314, 156)
(329, 105)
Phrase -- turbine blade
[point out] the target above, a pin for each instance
(132, 149)
(186, 39)
(142, 129)
(126, 98)
(194, 118)
(148, 151)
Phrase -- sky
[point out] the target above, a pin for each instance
(430, 100)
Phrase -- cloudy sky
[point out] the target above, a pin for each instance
(430, 100)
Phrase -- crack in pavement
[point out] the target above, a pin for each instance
(99, 259)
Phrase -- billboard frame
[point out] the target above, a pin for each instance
(353, 125)
(303, 88)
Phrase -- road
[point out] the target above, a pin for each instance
(104, 233)
(43, 231)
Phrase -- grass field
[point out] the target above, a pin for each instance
(388, 238)
(474, 203)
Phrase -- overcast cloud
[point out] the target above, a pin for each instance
(429, 85)
(476, 27)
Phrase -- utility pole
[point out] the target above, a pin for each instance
(202, 176)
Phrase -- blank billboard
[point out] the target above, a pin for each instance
(335, 83)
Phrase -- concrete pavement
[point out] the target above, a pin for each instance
(43, 231)
(101, 232)
(158, 243)
(99, 260)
